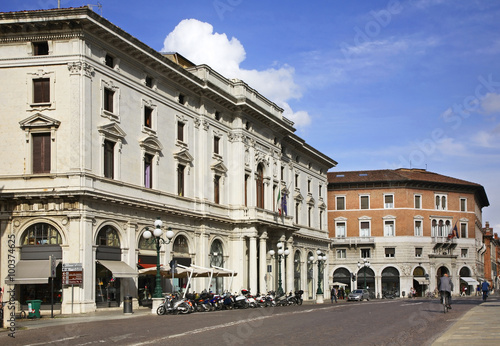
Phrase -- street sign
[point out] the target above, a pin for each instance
(72, 277)
(53, 266)
(72, 267)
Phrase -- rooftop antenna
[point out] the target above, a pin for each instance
(99, 6)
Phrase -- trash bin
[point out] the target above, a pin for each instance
(127, 305)
(34, 308)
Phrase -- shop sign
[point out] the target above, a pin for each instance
(72, 278)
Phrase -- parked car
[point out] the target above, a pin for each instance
(359, 295)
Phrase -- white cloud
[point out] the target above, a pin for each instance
(491, 103)
(197, 41)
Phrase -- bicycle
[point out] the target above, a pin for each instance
(445, 300)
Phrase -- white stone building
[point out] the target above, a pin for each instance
(101, 135)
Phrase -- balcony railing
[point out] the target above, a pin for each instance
(352, 241)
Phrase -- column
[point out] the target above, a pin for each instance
(263, 285)
(252, 259)
(289, 268)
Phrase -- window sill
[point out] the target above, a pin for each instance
(110, 115)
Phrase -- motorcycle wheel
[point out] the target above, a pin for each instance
(299, 302)
(161, 310)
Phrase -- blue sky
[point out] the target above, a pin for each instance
(372, 84)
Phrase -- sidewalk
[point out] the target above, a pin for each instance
(479, 326)
(98, 315)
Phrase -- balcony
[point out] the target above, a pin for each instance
(444, 242)
(352, 241)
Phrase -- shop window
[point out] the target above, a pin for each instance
(108, 237)
(41, 234)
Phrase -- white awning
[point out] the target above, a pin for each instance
(30, 272)
(422, 280)
(470, 281)
(119, 269)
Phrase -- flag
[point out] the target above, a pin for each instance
(278, 202)
(455, 231)
(283, 204)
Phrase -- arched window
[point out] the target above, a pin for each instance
(147, 244)
(297, 266)
(108, 236)
(260, 187)
(41, 234)
(181, 245)
(216, 253)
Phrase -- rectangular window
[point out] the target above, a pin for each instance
(180, 180)
(341, 253)
(340, 203)
(418, 201)
(365, 253)
(297, 204)
(441, 202)
(463, 204)
(321, 220)
(464, 253)
(340, 230)
(148, 171)
(182, 99)
(364, 229)
(364, 202)
(216, 144)
(180, 131)
(41, 48)
(418, 252)
(148, 117)
(418, 228)
(41, 152)
(308, 186)
(390, 252)
(246, 189)
(216, 189)
(109, 159)
(389, 228)
(388, 201)
(320, 187)
(41, 90)
(282, 173)
(296, 181)
(149, 81)
(463, 230)
(108, 99)
(109, 61)
(309, 210)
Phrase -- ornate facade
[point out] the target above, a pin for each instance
(101, 135)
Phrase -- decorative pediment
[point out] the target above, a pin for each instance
(219, 167)
(310, 200)
(321, 205)
(183, 156)
(151, 144)
(39, 120)
(298, 196)
(112, 131)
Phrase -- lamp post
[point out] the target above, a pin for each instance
(282, 253)
(157, 233)
(365, 264)
(321, 260)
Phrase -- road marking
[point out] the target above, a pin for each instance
(56, 341)
(412, 304)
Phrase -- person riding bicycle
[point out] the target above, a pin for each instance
(485, 287)
(445, 288)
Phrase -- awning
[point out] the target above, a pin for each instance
(470, 281)
(119, 269)
(422, 280)
(30, 272)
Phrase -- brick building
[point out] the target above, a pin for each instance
(394, 230)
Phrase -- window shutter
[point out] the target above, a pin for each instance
(41, 153)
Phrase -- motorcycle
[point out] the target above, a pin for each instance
(241, 301)
(298, 297)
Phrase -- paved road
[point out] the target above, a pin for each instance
(379, 322)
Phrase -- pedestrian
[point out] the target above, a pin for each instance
(464, 290)
(333, 294)
(478, 290)
(485, 287)
(342, 293)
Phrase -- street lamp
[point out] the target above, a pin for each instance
(365, 264)
(158, 240)
(281, 254)
(321, 261)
